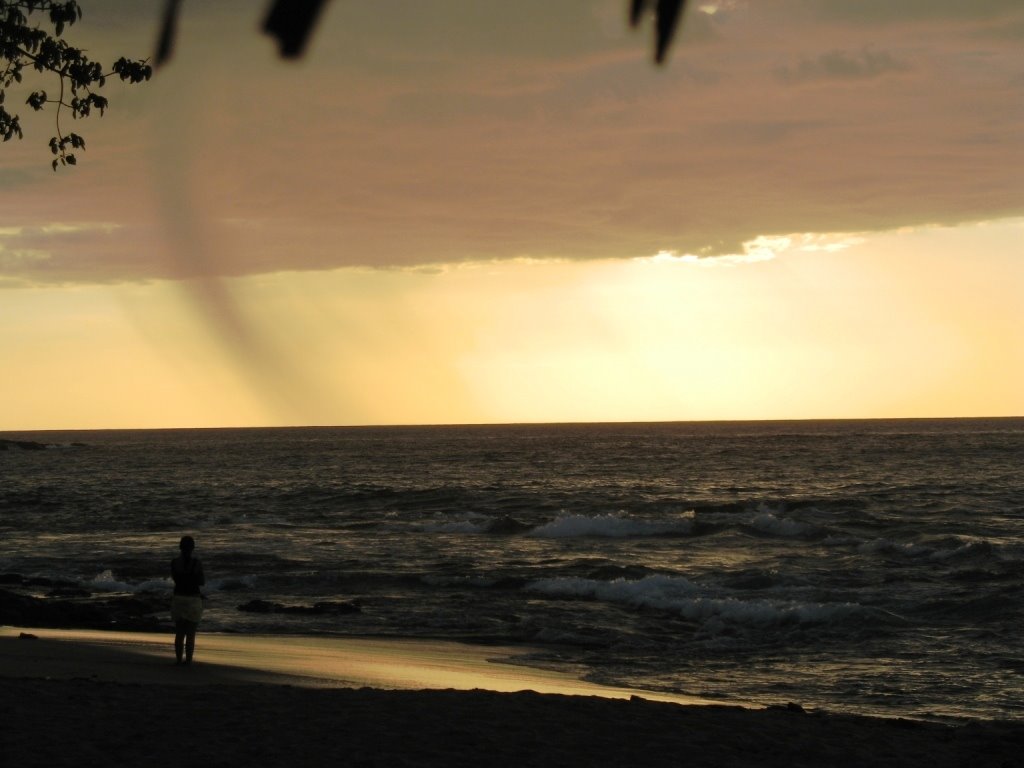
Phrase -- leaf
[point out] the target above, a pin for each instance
(36, 100)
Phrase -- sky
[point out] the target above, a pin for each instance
(474, 211)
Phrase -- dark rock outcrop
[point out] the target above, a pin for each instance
(129, 612)
(507, 525)
(7, 444)
(25, 445)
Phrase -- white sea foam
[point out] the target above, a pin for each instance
(767, 522)
(910, 548)
(106, 582)
(639, 592)
(681, 596)
(611, 526)
(967, 548)
(230, 583)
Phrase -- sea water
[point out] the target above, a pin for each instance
(864, 566)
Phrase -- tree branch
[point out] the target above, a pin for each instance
(24, 46)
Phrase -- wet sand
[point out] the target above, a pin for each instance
(75, 697)
(307, 661)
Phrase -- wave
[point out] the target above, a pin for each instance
(440, 580)
(769, 523)
(961, 547)
(501, 525)
(454, 526)
(950, 548)
(679, 595)
(230, 584)
(612, 527)
(762, 520)
(609, 526)
(107, 582)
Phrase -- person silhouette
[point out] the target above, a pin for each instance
(187, 601)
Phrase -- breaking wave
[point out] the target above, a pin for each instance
(612, 527)
(679, 595)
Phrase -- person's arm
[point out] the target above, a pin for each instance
(199, 575)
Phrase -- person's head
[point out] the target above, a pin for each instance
(186, 545)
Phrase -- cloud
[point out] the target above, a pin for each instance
(88, 252)
(914, 11)
(840, 65)
(446, 135)
(759, 249)
(763, 248)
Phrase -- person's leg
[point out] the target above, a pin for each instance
(179, 640)
(190, 642)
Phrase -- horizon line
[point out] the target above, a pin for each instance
(436, 425)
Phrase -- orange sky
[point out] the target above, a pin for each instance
(454, 213)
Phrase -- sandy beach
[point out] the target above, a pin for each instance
(74, 697)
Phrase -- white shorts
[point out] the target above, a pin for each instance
(187, 608)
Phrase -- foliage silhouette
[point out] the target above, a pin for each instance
(25, 46)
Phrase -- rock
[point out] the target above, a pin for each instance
(25, 445)
(507, 525)
(26, 610)
(31, 445)
(257, 606)
(123, 612)
(788, 707)
(42, 581)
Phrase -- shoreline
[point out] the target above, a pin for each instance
(310, 661)
(71, 696)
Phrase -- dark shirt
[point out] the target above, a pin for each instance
(188, 575)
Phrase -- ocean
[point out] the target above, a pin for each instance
(857, 566)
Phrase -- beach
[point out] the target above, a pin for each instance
(845, 566)
(818, 595)
(76, 697)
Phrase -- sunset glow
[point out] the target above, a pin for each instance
(513, 216)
